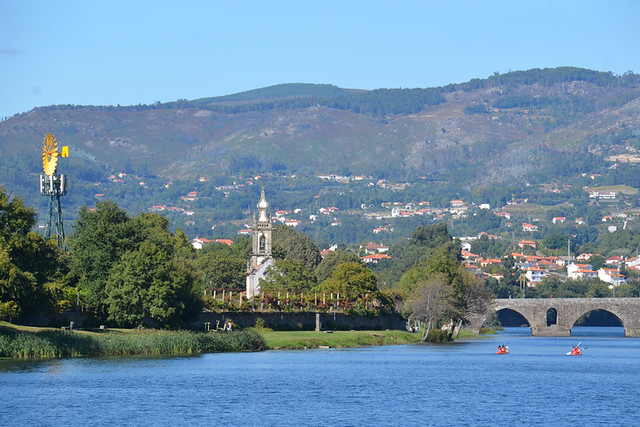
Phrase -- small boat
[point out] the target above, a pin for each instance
(503, 350)
(575, 351)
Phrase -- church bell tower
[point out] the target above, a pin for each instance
(261, 247)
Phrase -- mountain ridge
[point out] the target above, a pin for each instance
(505, 121)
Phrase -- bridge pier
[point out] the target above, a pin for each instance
(550, 331)
(632, 332)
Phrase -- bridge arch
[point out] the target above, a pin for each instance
(577, 315)
(539, 311)
(511, 317)
(477, 322)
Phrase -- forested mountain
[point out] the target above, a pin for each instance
(523, 127)
(512, 122)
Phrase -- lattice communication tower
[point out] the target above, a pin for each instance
(53, 186)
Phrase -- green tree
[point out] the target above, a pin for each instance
(149, 287)
(468, 294)
(100, 240)
(291, 245)
(423, 241)
(331, 260)
(146, 274)
(409, 280)
(596, 261)
(16, 286)
(287, 274)
(429, 301)
(27, 262)
(555, 241)
(221, 269)
(351, 278)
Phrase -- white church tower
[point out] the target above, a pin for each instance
(261, 257)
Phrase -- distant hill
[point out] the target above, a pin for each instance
(282, 91)
(518, 125)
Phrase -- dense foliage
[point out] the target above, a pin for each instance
(32, 271)
(134, 270)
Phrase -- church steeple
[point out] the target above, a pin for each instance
(261, 248)
(263, 205)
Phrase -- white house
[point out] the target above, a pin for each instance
(611, 275)
(374, 258)
(535, 274)
(633, 262)
(200, 242)
(580, 271)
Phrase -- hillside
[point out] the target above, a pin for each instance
(511, 123)
(530, 126)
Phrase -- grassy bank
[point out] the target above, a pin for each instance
(24, 342)
(336, 339)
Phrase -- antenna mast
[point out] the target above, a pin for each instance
(53, 186)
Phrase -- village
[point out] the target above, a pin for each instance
(524, 236)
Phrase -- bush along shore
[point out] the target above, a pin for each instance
(281, 340)
(53, 344)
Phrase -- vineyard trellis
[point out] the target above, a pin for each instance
(289, 300)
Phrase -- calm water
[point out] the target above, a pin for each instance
(464, 383)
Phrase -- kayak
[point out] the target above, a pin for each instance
(502, 352)
(570, 353)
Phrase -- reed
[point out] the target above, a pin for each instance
(54, 344)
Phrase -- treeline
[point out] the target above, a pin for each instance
(380, 102)
(132, 271)
(550, 76)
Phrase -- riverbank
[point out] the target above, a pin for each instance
(23, 342)
(280, 340)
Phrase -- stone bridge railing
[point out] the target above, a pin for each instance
(539, 311)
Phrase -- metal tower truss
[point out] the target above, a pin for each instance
(54, 186)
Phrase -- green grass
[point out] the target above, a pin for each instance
(20, 342)
(336, 339)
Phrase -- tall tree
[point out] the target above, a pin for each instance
(101, 238)
(429, 302)
(27, 261)
(146, 273)
(149, 286)
(289, 244)
(220, 269)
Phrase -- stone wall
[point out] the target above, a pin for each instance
(304, 321)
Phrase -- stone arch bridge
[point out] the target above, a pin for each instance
(540, 312)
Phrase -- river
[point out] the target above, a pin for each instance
(464, 383)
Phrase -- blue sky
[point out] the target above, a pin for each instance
(136, 51)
